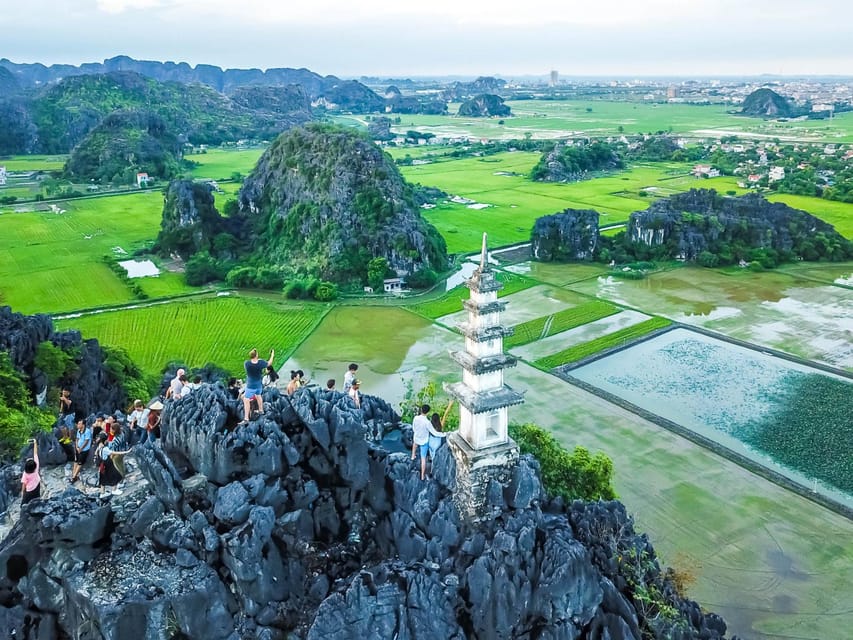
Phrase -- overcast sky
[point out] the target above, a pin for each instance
(444, 37)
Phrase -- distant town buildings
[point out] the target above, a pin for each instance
(671, 92)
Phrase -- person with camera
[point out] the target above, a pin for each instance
(30, 479)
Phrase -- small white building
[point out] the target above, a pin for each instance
(2, 176)
(392, 285)
(142, 180)
(776, 174)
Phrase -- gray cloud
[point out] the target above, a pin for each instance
(765, 37)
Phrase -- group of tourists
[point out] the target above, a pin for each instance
(105, 441)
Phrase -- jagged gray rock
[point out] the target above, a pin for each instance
(569, 235)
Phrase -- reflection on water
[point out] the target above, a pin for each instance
(709, 386)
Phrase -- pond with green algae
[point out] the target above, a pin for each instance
(791, 418)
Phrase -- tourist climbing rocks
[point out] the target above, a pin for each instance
(30, 479)
(354, 392)
(349, 376)
(66, 409)
(235, 388)
(82, 449)
(254, 382)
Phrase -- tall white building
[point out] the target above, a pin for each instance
(555, 78)
(2, 176)
(482, 446)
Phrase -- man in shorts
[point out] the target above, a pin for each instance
(420, 442)
(82, 449)
(255, 369)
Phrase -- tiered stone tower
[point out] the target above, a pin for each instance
(482, 447)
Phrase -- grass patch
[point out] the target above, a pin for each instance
(585, 349)
(219, 164)
(451, 302)
(53, 262)
(545, 326)
(34, 163)
(838, 214)
(220, 330)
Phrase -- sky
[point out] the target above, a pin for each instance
(407, 38)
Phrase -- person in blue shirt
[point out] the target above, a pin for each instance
(255, 369)
(82, 449)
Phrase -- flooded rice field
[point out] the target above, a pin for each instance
(791, 418)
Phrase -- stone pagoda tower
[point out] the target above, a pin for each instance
(482, 447)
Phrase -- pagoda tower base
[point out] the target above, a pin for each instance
(476, 471)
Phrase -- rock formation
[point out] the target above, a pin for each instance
(566, 236)
(327, 200)
(300, 525)
(573, 161)
(766, 103)
(190, 218)
(484, 105)
(703, 220)
(94, 387)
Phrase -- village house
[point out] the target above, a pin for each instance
(776, 174)
(392, 285)
(705, 171)
(142, 180)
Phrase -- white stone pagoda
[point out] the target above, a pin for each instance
(482, 446)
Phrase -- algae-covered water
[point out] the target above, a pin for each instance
(792, 418)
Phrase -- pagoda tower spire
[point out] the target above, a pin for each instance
(482, 446)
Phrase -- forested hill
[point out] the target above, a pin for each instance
(56, 118)
(323, 202)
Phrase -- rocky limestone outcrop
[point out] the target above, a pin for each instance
(569, 235)
(300, 525)
(93, 387)
(484, 105)
(766, 103)
(701, 219)
(328, 200)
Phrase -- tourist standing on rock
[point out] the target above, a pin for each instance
(82, 449)
(176, 386)
(354, 392)
(420, 442)
(295, 381)
(66, 409)
(118, 443)
(254, 382)
(436, 432)
(234, 388)
(110, 469)
(138, 421)
(349, 376)
(30, 479)
(152, 429)
(270, 377)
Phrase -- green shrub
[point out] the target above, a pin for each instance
(19, 419)
(326, 292)
(576, 475)
(54, 362)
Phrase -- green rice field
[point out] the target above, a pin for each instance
(219, 164)
(559, 118)
(220, 330)
(515, 202)
(615, 339)
(51, 262)
(33, 163)
(838, 214)
(564, 320)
